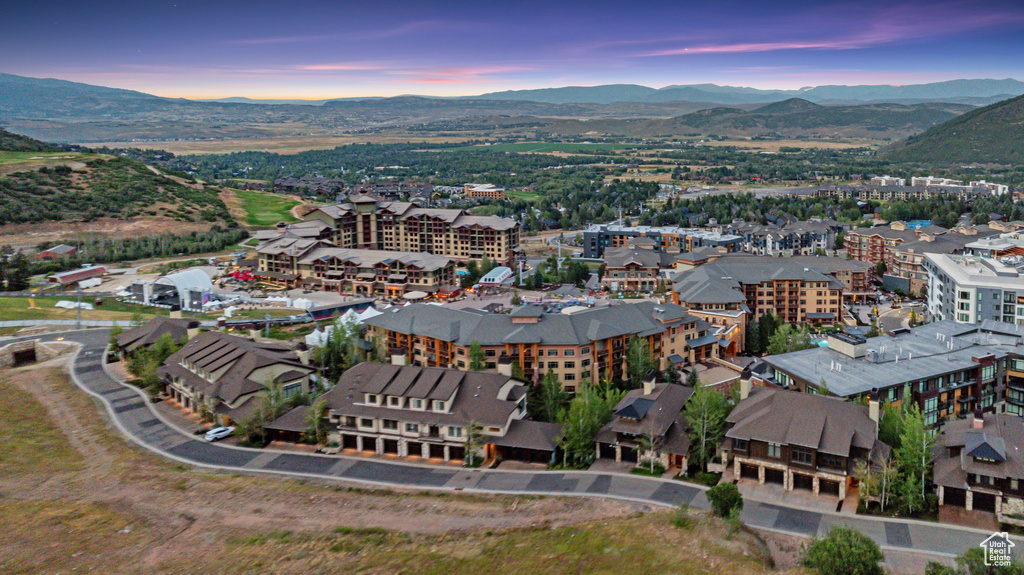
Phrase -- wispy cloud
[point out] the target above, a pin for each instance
(406, 29)
(339, 67)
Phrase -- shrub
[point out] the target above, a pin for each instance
(843, 552)
(681, 517)
(724, 498)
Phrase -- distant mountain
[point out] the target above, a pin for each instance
(46, 98)
(938, 91)
(790, 118)
(990, 135)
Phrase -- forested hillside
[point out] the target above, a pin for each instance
(115, 188)
(16, 143)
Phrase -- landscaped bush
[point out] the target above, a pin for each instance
(724, 498)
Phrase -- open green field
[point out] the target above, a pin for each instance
(546, 148)
(263, 209)
(25, 308)
(523, 195)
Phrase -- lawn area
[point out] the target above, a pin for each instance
(263, 209)
(24, 308)
(523, 195)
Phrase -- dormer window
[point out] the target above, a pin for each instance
(371, 399)
(439, 406)
(417, 404)
(394, 401)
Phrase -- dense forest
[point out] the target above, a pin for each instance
(117, 188)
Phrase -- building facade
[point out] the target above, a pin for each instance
(599, 237)
(366, 222)
(970, 289)
(587, 345)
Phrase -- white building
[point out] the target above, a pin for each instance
(888, 181)
(971, 289)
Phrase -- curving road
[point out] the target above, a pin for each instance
(132, 414)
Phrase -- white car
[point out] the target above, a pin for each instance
(218, 433)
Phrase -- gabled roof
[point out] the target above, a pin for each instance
(148, 333)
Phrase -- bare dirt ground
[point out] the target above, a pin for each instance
(32, 234)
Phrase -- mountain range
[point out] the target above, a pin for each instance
(61, 111)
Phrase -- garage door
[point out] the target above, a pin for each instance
(748, 471)
(391, 446)
(801, 481)
(414, 448)
(954, 496)
(456, 452)
(984, 502)
(629, 454)
(828, 487)
(607, 451)
(349, 441)
(436, 451)
(774, 476)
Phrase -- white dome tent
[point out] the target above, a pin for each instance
(191, 288)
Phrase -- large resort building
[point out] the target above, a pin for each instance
(948, 369)
(365, 222)
(589, 344)
(971, 289)
(297, 261)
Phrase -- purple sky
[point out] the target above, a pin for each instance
(298, 49)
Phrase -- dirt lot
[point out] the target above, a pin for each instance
(24, 235)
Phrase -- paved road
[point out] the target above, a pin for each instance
(133, 415)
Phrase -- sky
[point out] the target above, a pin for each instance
(319, 49)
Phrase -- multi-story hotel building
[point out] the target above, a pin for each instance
(790, 289)
(365, 272)
(489, 191)
(366, 222)
(971, 289)
(590, 344)
(948, 369)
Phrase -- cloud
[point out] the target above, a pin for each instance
(339, 67)
(408, 28)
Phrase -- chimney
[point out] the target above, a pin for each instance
(505, 365)
(398, 356)
(649, 380)
(303, 352)
(977, 420)
(873, 411)
(192, 332)
(175, 314)
(254, 334)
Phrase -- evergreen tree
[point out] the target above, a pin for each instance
(638, 362)
(18, 273)
(548, 398)
(477, 357)
(705, 412)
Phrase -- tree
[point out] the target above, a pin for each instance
(724, 498)
(516, 300)
(477, 357)
(692, 379)
(588, 411)
(843, 551)
(890, 426)
(705, 412)
(316, 422)
(18, 273)
(913, 460)
(114, 332)
(880, 269)
(548, 398)
(474, 443)
(340, 351)
(650, 443)
(767, 325)
(671, 373)
(789, 338)
(753, 343)
(638, 361)
(517, 370)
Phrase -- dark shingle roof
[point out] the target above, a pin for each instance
(148, 333)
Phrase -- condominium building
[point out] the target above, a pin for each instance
(788, 239)
(971, 289)
(948, 369)
(489, 191)
(366, 222)
(317, 263)
(873, 244)
(599, 237)
(632, 268)
(801, 441)
(790, 289)
(590, 344)
(424, 412)
(224, 375)
(979, 465)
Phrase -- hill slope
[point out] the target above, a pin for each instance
(990, 135)
(16, 143)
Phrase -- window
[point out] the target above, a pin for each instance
(1014, 485)
(988, 372)
(365, 422)
(552, 353)
(801, 456)
(461, 364)
(490, 353)
(412, 428)
(740, 444)
(569, 377)
(585, 351)
(454, 431)
(570, 365)
(388, 424)
(395, 401)
(417, 404)
(552, 365)
(371, 398)
(438, 406)
(460, 351)
(774, 450)
(291, 390)
(585, 363)
(830, 461)
(570, 352)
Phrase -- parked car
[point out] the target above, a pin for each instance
(218, 433)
